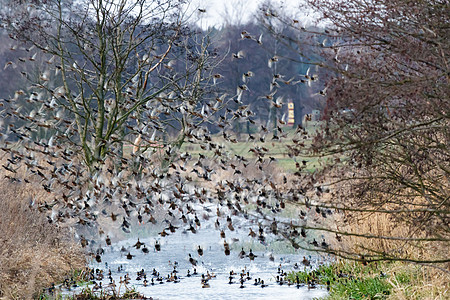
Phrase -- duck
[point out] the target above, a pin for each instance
(129, 256)
(97, 286)
(306, 262)
(176, 279)
(242, 253)
(251, 255)
(242, 283)
(51, 289)
(200, 251)
(205, 281)
(138, 244)
(192, 260)
(172, 228)
(157, 246)
(227, 248)
(163, 233)
(210, 275)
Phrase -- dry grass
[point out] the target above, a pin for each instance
(390, 235)
(33, 252)
(417, 282)
(420, 281)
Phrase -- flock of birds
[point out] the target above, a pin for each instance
(109, 278)
(41, 137)
(101, 280)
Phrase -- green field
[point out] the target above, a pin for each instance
(241, 145)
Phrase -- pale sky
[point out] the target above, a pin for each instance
(240, 11)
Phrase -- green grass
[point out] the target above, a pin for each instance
(276, 149)
(351, 280)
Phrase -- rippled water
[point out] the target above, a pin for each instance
(177, 246)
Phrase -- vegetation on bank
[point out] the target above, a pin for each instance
(33, 252)
(353, 280)
(102, 294)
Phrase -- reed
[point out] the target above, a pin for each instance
(33, 252)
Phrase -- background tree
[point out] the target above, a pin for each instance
(385, 129)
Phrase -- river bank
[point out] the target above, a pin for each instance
(382, 280)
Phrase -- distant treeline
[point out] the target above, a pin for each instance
(245, 51)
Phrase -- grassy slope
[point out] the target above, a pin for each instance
(350, 280)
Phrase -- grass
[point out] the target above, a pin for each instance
(351, 280)
(33, 253)
(276, 149)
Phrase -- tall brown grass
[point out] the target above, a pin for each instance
(33, 252)
(426, 281)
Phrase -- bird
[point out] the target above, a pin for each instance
(238, 55)
(138, 244)
(272, 60)
(157, 246)
(10, 64)
(259, 40)
(246, 76)
(200, 251)
(163, 233)
(215, 78)
(192, 260)
(306, 262)
(251, 255)
(242, 254)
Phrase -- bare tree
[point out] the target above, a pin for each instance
(114, 73)
(385, 131)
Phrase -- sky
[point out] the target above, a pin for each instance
(219, 12)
